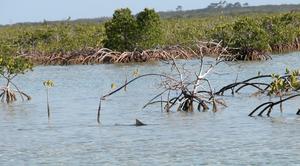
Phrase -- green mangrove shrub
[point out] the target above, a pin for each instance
(10, 67)
(124, 32)
(282, 33)
(223, 32)
(149, 29)
(54, 38)
(121, 31)
(250, 38)
(143, 31)
(245, 37)
(284, 84)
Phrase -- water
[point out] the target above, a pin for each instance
(72, 136)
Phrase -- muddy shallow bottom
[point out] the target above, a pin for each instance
(72, 136)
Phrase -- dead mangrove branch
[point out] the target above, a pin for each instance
(180, 88)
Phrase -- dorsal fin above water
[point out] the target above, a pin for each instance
(139, 123)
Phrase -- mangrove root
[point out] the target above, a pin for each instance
(268, 106)
(104, 55)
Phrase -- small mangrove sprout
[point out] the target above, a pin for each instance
(48, 84)
(10, 67)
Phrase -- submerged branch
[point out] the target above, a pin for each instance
(244, 84)
(270, 105)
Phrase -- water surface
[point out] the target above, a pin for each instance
(72, 136)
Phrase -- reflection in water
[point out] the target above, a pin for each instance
(228, 137)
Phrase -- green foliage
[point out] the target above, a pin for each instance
(253, 33)
(281, 30)
(222, 32)
(149, 29)
(121, 31)
(11, 66)
(52, 38)
(249, 36)
(278, 85)
(48, 84)
(283, 84)
(245, 33)
(125, 32)
(184, 31)
(275, 33)
(293, 78)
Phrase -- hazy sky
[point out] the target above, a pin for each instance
(12, 11)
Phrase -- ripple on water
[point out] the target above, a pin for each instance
(228, 137)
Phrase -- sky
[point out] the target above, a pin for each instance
(14, 11)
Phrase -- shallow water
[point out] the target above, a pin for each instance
(72, 136)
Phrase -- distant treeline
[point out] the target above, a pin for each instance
(221, 8)
(273, 29)
(224, 4)
(214, 9)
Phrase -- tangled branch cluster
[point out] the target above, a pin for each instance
(180, 89)
(104, 55)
